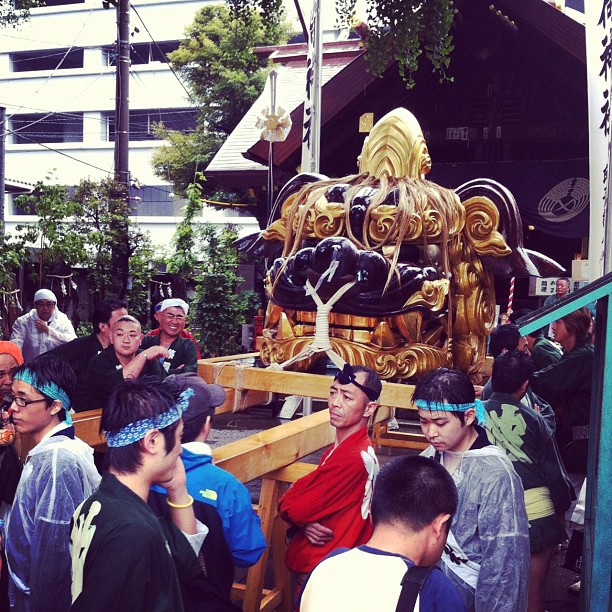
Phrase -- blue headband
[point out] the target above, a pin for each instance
(49, 389)
(481, 413)
(137, 431)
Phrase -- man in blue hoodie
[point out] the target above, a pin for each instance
(212, 485)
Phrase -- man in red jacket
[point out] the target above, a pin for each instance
(330, 507)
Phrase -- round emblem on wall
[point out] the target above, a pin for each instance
(565, 200)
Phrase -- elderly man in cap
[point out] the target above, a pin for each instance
(182, 353)
(43, 328)
(184, 334)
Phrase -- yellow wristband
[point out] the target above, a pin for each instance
(180, 506)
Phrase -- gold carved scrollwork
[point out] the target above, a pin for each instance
(383, 219)
(433, 222)
(329, 219)
(416, 360)
(480, 308)
(402, 362)
(323, 220)
(278, 229)
(482, 221)
(431, 296)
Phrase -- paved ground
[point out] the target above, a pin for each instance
(231, 427)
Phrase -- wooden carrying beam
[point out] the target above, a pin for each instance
(228, 372)
(275, 448)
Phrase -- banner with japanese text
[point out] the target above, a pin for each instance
(311, 134)
(598, 32)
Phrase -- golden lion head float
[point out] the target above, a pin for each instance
(386, 268)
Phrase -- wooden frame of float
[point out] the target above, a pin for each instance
(256, 384)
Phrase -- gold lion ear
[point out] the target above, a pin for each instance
(481, 225)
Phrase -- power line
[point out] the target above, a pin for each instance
(64, 57)
(190, 96)
(40, 144)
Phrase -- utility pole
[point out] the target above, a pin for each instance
(2, 165)
(122, 99)
(121, 204)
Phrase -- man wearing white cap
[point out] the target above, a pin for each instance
(43, 328)
(182, 355)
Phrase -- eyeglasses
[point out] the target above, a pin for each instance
(171, 316)
(20, 401)
(347, 376)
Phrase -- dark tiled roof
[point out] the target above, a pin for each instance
(290, 63)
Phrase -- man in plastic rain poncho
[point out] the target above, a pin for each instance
(59, 473)
(487, 551)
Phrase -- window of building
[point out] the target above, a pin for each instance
(144, 53)
(143, 121)
(29, 128)
(50, 59)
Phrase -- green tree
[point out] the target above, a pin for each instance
(224, 77)
(84, 229)
(219, 310)
(53, 231)
(398, 30)
(13, 13)
(14, 252)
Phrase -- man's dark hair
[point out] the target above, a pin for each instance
(372, 379)
(413, 491)
(578, 323)
(134, 400)
(104, 312)
(504, 337)
(51, 369)
(511, 370)
(445, 386)
(565, 279)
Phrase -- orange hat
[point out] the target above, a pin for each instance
(10, 348)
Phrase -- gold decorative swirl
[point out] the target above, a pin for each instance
(432, 295)
(382, 221)
(278, 229)
(329, 220)
(482, 221)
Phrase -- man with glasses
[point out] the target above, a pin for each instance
(59, 473)
(330, 507)
(182, 354)
(43, 328)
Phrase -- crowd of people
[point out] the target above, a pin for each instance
(471, 524)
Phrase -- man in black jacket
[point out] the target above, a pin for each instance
(79, 352)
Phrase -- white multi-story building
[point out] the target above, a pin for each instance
(57, 83)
